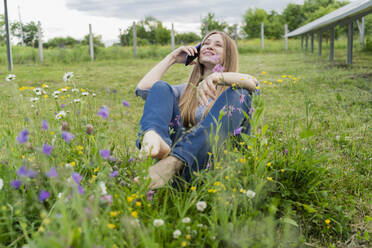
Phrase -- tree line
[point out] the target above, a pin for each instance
(151, 31)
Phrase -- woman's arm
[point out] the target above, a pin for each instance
(156, 73)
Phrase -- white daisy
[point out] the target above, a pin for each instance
(85, 93)
(34, 99)
(201, 206)
(10, 77)
(102, 185)
(60, 114)
(75, 90)
(186, 220)
(176, 234)
(76, 100)
(55, 93)
(67, 77)
(93, 94)
(38, 91)
(1, 183)
(158, 222)
(64, 89)
(251, 194)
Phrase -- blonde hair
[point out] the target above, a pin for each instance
(188, 101)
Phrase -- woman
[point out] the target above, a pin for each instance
(178, 120)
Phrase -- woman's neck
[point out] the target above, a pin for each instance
(207, 72)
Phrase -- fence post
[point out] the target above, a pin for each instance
(302, 41)
(285, 36)
(91, 45)
(307, 42)
(40, 41)
(8, 47)
(262, 35)
(349, 60)
(361, 27)
(320, 39)
(21, 27)
(312, 42)
(172, 37)
(332, 45)
(134, 40)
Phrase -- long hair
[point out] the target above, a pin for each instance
(188, 101)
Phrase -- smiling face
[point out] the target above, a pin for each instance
(211, 51)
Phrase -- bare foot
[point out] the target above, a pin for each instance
(163, 171)
(154, 145)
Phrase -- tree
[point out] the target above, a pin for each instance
(252, 22)
(294, 16)
(187, 38)
(61, 42)
(97, 40)
(212, 24)
(30, 32)
(2, 29)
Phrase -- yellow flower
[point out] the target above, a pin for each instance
(193, 188)
(41, 229)
(282, 170)
(184, 243)
(280, 81)
(242, 160)
(62, 97)
(96, 169)
(269, 178)
(44, 86)
(138, 204)
(235, 149)
(234, 189)
(82, 90)
(270, 83)
(209, 153)
(113, 213)
(249, 147)
(284, 76)
(242, 191)
(111, 226)
(268, 164)
(188, 236)
(31, 88)
(51, 133)
(327, 221)
(264, 73)
(225, 151)
(257, 87)
(134, 214)
(212, 190)
(80, 152)
(227, 177)
(72, 163)
(43, 215)
(60, 89)
(289, 76)
(23, 156)
(67, 87)
(265, 82)
(46, 221)
(46, 96)
(79, 148)
(242, 143)
(294, 79)
(216, 183)
(23, 88)
(130, 199)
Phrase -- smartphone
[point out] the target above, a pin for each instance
(191, 58)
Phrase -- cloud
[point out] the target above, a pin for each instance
(185, 11)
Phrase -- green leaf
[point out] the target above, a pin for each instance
(289, 221)
(309, 208)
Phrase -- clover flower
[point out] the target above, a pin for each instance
(67, 136)
(251, 194)
(186, 220)
(47, 149)
(68, 76)
(158, 222)
(22, 136)
(10, 77)
(201, 206)
(103, 112)
(44, 195)
(176, 234)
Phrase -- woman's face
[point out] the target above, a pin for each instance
(211, 51)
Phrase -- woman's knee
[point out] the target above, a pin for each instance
(235, 95)
(161, 85)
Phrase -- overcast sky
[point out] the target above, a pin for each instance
(71, 17)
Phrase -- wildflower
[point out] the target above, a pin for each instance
(282, 170)
(1, 184)
(294, 79)
(67, 136)
(52, 172)
(76, 100)
(269, 178)
(215, 58)
(241, 98)
(34, 99)
(44, 86)
(22, 136)
(270, 83)
(218, 68)
(114, 173)
(158, 222)
(265, 81)
(284, 76)
(89, 129)
(111, 226)
(103, 112)
(134, 214)
(193, 188)
(251, 110)
(44, 195)
(67, 76)
(201, 206)
(60, 114)
(188, 236)
(47, 149)
(45, 125)
(102, 185)
(176, 234)
(113, 213)
(55, 94)
(238, 131)
(105, 153)
(268, 164)
(264, 73)
(184, 243)
(251, 194)
(138, 204)
(93, 94)
(186, 220)
(10, 77)
(37, 91)
(64, 89)
(150, 195)
(80, 189)
(327, 221)
(16, 184)
(280, 80)
(76, 177)
(63, 105)
(85, 93)
(125, 103)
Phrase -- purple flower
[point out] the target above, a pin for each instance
(52, 172)
(238, 131)
(103, 112)
(77, 177)
(218, 68)
(16, 184)
(67, 136)
(106, 198)
(105, 153)
(22, 136)
(242, 96)
(131, 160)
(63, 105)
(150, 194)
(27, 173)
(80, 189)
(125, 103)
(44, 195)
(286, 151)
(114, 173)
(47, 149)
(112, 158)
(45, 125)
(215, 58)
(251, 110)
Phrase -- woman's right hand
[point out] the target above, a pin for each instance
(179, 54)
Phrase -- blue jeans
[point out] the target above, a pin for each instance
(162, 114)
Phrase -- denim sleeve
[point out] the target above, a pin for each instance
(177, 90)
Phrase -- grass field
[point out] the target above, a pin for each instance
(308, 160)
